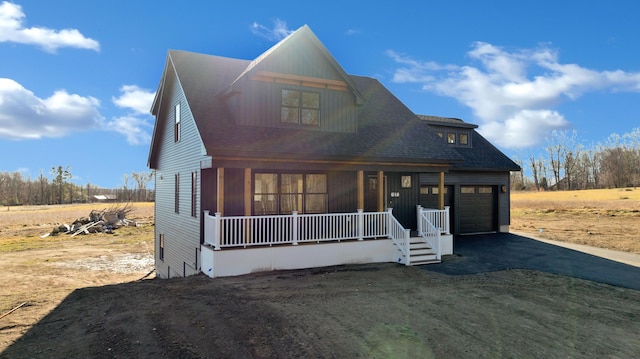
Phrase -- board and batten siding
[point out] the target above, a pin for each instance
(259, 103)
(181, 230)
(495, 179)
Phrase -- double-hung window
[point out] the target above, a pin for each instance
(300, 107)
(194, 197)
(176, 125)
(176, 193)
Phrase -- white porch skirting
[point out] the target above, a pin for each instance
(232, 262)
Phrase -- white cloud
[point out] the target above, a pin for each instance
(13, 30)
(137, 125)
(513, 93)
(135, 129)
(278, 32)
(134, 98)
(23, 115)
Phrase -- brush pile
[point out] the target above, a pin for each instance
(104, 221)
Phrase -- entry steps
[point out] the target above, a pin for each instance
(421, 253)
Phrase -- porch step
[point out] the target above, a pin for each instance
(421, 253)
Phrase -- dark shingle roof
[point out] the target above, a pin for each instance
(482, 155)
(387, 131)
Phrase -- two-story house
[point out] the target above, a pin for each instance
(286, 161)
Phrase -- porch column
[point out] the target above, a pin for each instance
(220, 191)
(380, 191)
(247, 192)
(248, 195)
(441, 191)
(360, 190)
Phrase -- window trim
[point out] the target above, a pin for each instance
(194, 197)
(161, 246)
(303, 194)
(176, 126)
(466, 139)
(177, 193)
(299, 108)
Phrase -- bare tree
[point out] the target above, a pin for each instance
(142, 179)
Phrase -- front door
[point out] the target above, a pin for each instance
(403, 193)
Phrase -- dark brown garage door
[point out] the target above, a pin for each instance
(478, 209)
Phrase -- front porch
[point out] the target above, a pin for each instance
(245, 244)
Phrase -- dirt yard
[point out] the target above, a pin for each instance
(84, 299)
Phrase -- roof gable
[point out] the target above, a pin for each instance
(301, 47)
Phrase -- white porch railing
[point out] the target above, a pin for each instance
(438, 217)
(431, 224)
(246, 231)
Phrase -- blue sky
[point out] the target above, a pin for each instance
(77, 78)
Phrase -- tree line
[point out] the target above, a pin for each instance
(567, 164)
(57, 188)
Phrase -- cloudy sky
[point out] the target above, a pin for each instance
(77, 79)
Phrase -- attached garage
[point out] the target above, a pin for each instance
(478, 209)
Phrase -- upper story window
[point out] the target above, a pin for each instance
(464, 139)
(300, 107)
(176, 126)
(456, 137)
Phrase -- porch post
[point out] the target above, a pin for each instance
(360, 225)
(220, 191)
(360, 189)
(380, 191)
(441, 191)
(248, 235)
(247, 192)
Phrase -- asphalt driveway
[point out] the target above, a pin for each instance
(500, 251)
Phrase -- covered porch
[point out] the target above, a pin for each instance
(238, 245)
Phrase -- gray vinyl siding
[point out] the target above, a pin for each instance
(181, 230)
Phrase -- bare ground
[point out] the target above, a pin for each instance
(79, 308)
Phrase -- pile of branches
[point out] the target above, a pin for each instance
(104, 221)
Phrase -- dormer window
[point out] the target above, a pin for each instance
(451, 138)
(464, 139)
(300, 107)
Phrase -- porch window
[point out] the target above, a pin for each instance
(290, 193)
(315, 193)
(283, 193)
(300, 107)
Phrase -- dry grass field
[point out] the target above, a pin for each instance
(605, 218)
(83, 297)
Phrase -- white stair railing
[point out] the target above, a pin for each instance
(431, 223)
(400, 237)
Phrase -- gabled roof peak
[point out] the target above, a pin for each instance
(302, 32)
